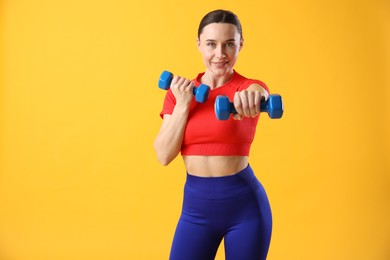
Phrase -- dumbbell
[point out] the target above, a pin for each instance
(201, 93)
(273, 106)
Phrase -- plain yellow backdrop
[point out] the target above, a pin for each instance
(79, 109)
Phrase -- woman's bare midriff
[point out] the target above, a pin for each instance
(214, 166)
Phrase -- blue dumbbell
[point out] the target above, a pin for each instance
(201, 93)
(273, 106)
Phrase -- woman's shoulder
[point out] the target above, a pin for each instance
(198, 78)
(243, 82)
(239, 77)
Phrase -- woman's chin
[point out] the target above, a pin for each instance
(220, 70)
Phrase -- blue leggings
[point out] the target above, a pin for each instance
(234, 207)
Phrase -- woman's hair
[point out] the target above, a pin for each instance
(220, 16)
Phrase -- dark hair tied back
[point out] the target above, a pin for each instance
(220, 16)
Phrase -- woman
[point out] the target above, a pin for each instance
(222, 197)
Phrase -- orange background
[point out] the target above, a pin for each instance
(79, 112)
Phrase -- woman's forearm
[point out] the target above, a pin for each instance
(170, 137)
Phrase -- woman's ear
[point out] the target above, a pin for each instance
(241, 43)
(198, 43)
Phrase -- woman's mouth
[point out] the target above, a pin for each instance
(220, 63)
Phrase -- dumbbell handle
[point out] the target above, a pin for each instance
(263, 107)
(273, 106)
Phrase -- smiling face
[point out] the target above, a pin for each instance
(219, 44)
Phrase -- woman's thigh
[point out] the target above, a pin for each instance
(250, 237)
(194, 242)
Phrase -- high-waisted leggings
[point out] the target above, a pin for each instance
(233, 207)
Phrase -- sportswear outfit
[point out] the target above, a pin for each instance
(233, 207)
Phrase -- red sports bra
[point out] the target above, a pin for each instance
(205, 134)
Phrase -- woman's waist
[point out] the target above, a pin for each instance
(230, 186)
(214, 166)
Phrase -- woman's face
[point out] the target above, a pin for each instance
(220, 44)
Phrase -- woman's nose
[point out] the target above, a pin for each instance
(220, 52)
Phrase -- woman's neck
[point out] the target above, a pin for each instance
(215, 81)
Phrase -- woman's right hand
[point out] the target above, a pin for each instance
(182, 89)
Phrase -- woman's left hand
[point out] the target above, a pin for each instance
(247, 104)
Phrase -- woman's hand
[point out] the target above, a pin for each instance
(247, 102)
(182, 89)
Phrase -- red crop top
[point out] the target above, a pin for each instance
(205, 134)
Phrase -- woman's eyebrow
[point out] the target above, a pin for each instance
(211, 40)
